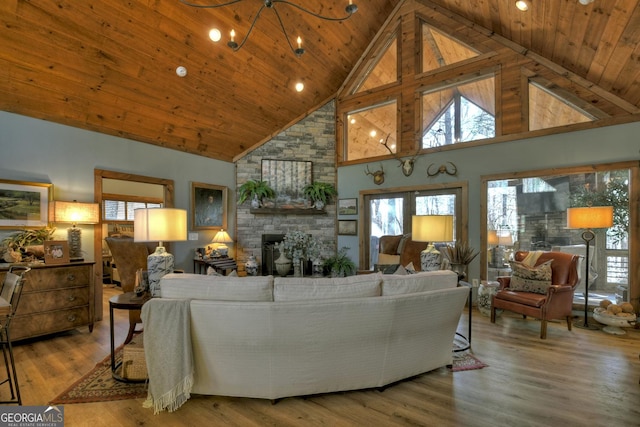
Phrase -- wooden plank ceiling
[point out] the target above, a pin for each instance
(109, 66)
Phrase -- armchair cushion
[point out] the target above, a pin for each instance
(530, 279)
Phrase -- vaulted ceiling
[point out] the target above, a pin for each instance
(110, 66)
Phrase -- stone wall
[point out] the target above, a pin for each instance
(313, 138)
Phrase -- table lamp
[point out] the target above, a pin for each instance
(221, 238)
(74, 213)
(159, 225)
(431, 229)
(587, 218)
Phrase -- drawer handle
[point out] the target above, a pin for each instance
(71, 318)
(71, 277)
(71, 298)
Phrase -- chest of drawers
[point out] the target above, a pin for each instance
(55, 298)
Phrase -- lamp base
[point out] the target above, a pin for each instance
(74, 236)
(430, 259)
(159, 264)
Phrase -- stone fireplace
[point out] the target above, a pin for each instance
(312, 138)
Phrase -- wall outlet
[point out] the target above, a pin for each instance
(193, 236)
(474, 282)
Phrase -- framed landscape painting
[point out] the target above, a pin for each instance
(348, 207)
(24, 204)
(208, 206)
(348, 227)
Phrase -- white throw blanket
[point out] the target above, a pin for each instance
(167, 349)
(531, 258)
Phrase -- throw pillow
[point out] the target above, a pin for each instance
(386, 268)
(403, 242)
(525, 278)
(410, 268)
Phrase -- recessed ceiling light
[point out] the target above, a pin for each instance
(181, 71)
(215, 34)
(299, 87)
(522, 5)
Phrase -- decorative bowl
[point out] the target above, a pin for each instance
(614, 323)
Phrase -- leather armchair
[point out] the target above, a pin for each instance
(555, 304)
(410, 251)
(129, 257)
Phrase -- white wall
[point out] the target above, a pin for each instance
(39, 151)
(602, 145)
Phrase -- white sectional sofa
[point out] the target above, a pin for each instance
(270, 338)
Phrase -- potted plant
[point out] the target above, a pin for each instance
(256, 191)
(320, 193)
(340, 264)
(459, 256)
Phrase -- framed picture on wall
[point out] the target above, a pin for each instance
(288, 178)
(348, 206)
(24, 204)
(348, 227)
(208, 206)
(56, 252)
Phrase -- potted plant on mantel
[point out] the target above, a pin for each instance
(256, 191)
(320, 193)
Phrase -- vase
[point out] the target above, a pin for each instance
(319, 205)
(298, 268)
(255, 202)
(283, 265)
(251, 266)
(486, 291)
(318, 268)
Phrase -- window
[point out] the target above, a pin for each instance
(372, 132)
(528, 212)
(459, 114)
(390, 214)
(122, 210)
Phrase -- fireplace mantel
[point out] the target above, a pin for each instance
(287, 211)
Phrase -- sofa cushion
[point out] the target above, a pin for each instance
(525, 278)
(224, 288)
(396, 284)
(304, 288)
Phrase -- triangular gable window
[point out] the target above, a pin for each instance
(548, 110)
(384, 71)
(439, 49)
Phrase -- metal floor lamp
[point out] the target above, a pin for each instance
(588, 217)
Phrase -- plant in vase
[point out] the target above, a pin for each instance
(320, 193)
(459, 257)
(295, 245)
(255, 190)
(314, 252)
(340, 264)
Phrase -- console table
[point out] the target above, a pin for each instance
(55, 298)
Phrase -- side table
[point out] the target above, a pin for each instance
(125, 301)
(467, 339)
(220, 265)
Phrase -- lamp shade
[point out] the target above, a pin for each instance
(222, 237)
(74, 212)
(505, 238)
(160, 225)
(492, 237)
(432, 228)
(590, 217)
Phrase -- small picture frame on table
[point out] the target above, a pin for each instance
(348, 206)
(347, 227)
(56, 252)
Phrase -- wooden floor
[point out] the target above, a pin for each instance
(572, 378)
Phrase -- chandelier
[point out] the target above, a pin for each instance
(350, 9)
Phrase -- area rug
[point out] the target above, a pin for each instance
(466, 362)
(99, 386)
